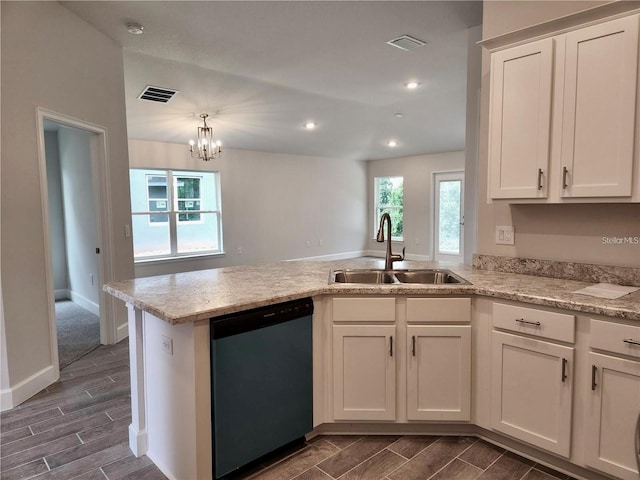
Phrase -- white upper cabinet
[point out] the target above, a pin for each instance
(520, 121)
(562, 119)
(598, 124)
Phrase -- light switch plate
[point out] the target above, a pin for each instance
(167, 344)
(505, 235)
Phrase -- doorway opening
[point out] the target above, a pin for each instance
(73, 240)
(73, 173)
(448, 216)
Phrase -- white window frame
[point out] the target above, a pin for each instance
(149, 200)
(176, 199)
(173, 215)
(377, 207)
(438, 177)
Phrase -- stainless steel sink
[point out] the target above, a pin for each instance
(377, 276)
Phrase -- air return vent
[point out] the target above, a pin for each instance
(157, 94)
(406, 42)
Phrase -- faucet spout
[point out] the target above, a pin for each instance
(390, 256)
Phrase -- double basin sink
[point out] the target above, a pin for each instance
(377, 276)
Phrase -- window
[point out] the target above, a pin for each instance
(175, 213)
(448, 215)
(389, 198)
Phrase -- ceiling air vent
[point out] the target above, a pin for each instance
(406, 42)
(157, 94)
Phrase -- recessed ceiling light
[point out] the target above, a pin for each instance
(135, 28)
(412, 85)
(399, 115)
(310, 125)
(392, 143)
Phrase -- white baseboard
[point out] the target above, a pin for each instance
(27, 388)
(61, 294)
(408, 256)
(333, 256)
(122, 332)
(138, 441)
(84, 302)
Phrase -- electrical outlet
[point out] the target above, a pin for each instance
(239, 250)
(320, 242)
(417, 241)
(167, 344)
(505, 235)
(127, 231)
(91, 278)
(308, 243)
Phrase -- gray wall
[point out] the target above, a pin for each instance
(557, 232)
(79, 217)
(272, 204)
(56, 216)
(53, 59)
(418, 197)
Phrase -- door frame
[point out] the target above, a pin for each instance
(102, 214)
(446, 175)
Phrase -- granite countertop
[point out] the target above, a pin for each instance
(192, 296)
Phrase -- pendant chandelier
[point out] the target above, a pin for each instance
(205, 148)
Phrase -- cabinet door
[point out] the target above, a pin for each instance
(599, 109)
(364, 372)
(520, 120)
(613, 415)
(531, 388)
(439, 372)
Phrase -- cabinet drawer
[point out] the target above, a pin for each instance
(364, 309)
(615, 338)
(555, 326)
(438, 310)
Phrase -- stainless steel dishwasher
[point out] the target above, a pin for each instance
(261, 381)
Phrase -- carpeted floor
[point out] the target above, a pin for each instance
(78, 331)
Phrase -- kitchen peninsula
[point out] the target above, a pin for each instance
(169, 328)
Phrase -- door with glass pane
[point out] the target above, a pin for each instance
(448, 216)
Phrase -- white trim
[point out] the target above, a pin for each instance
(27, 388)
(84, 302)
(122, 332)
(332, 256)
(61, 294)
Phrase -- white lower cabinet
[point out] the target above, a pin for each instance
(531, 391)
(613, 415)
(364, 372)
(439, 372)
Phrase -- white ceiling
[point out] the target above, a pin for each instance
(262, 69)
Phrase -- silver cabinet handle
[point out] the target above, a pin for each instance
(565, 172)
(631, 341)
(564, 369)
(413, 345)
(391, 346)
(527, 322)
(594, 370)
(540, 179)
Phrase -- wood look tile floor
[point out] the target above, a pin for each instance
(399, 458)
(78, 429)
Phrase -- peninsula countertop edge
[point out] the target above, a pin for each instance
(204, 294)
